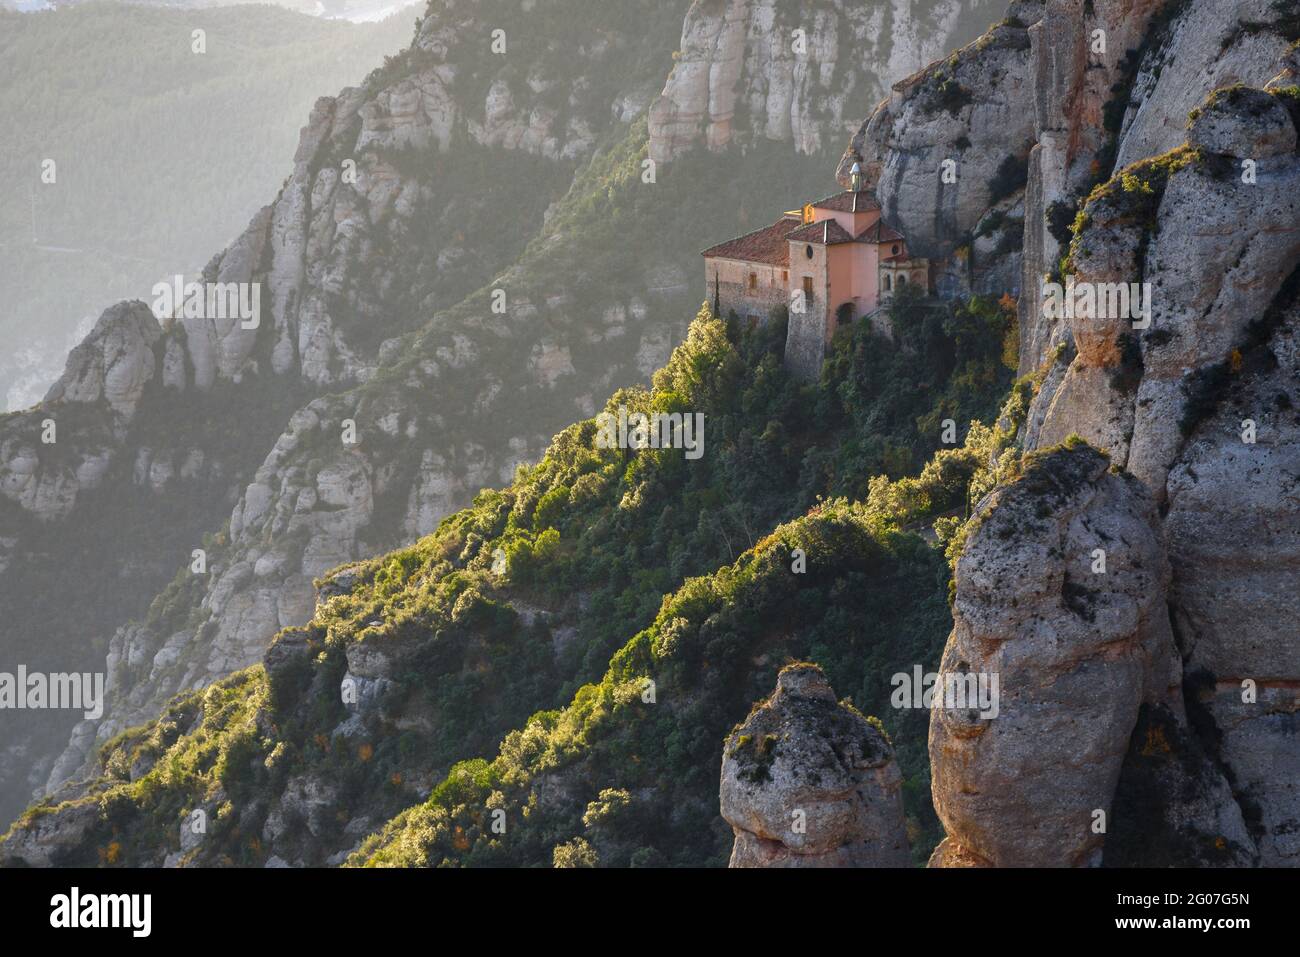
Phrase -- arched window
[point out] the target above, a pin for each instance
(888, 282)
(902, 280)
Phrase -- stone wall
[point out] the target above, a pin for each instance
(805, 340)
(735, 293)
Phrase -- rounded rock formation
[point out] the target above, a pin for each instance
(810, 782)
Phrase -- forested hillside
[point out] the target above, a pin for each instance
(486, 180)
(517, 604)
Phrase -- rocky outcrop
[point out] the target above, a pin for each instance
(1101, 107)
(114, 363)
(809, 782)
(1214, 249)
(47, 840)
(759, 69)
(1194, 400)
(1060, 607)
(1245, 43)
(949, 141)
(44, 478)
(53, 453)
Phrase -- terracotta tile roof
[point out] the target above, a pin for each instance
(766, 245)
(769, 244)
(849, 202)
(827, 232)
(880, 232)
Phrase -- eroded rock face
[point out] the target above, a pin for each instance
(743, 72)
(935, 148)
(1203, 50)
(1212, 227)
(1173, 805)
(115, 361)
(1216, 253)
(1242, 122)
(45, 482)
(1234, 541)
(51, 454)
(1199, 407)
(1102, 110)
(809, 782)
(1075, 652)
(49, 457)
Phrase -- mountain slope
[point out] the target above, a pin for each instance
(475, 172)
(1162, 697)
(443, 647)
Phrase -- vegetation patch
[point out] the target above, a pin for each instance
(1205, 388)
(1133, 196)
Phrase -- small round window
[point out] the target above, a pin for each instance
(895, 249)
(807, 251)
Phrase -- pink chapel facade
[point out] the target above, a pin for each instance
(829, 264)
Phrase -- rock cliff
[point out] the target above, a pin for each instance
(749, 70)
(940, 147)
(809, 782)
(1192, 400)
(1062, 594)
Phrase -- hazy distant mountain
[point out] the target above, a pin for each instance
(155, 165)
(358, 11)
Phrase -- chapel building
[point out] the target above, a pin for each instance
(828, 264)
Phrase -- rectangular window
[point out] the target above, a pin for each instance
(807, 289)
(753, 280)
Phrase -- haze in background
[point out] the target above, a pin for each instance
(161, 154)
(358, 11)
